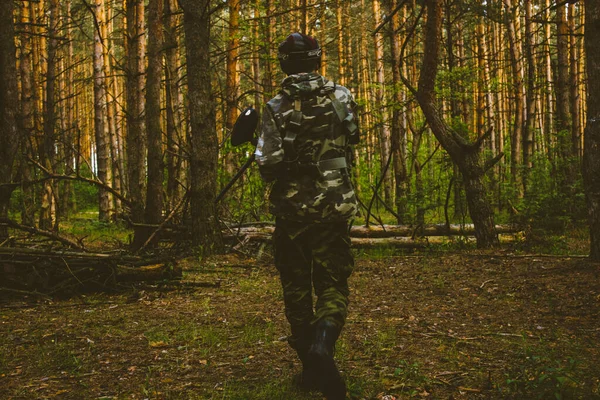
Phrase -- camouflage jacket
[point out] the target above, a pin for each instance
(302, 191)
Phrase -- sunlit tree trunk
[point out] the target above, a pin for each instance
(102, 134)
(48, 216)
(516, 154)
(563, 117)
(398, 132)
(111, 108)
(203, 137)
(530, 116)
(379, 106)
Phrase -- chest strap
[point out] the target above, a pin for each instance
(332, 163)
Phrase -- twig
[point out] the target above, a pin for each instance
(24, 292)
(484, 283)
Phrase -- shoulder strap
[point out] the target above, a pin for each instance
(292, 130)
(342, 114)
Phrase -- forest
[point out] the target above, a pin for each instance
(477, 173)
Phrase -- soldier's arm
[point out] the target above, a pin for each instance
(269, 150)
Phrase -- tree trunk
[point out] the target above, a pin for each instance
(27, 114)
(591, 153)
(379, 106)
(136, 145)
(154, 193)
(102, 135)
(516, 61)
(9, 133)
(174, 120)
(563, 118)
(574, 85)
(47, 217)
(203, 140)
(465, 155)
(232, 79)
(529, 125)
(398, 131)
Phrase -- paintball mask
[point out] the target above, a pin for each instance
(299, 53)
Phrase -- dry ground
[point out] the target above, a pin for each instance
(440, 326)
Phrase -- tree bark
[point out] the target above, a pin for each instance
(398, 130)
(48, 215)
(591, 153)
(27, 113)
(174, 121)
(203, 136)
(563, 117)
(516, 155)
(464, 154)
(102, 134)
(135, 143)
(154, 193)
(529, 125)
(9, 133)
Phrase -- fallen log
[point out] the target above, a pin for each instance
(51, 272)
(386, 231)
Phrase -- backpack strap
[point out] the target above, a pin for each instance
(344, 117)
(292, 130)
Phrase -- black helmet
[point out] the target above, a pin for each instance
(299, 53)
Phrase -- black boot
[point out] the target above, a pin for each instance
(307, 380)
(321, 354)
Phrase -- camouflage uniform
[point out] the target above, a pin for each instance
(312, 204)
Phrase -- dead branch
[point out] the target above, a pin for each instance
(13, 224)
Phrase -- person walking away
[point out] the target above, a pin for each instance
(305, 149)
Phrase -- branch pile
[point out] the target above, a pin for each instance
(53, 272)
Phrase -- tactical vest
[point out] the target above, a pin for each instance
(316, 130)
(301, 126)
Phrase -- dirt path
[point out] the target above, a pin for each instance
(455, 326)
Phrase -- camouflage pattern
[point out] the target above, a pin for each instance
(308, 255)
(312, 206)
(300, 191)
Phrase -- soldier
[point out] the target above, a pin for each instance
(305, 148)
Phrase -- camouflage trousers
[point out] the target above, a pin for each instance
(313, 256)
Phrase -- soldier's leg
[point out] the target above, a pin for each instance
(292, 259)
(333, 264)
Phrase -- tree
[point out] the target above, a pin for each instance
(136, 144)
(102, 133)
(203, 136)
(466, 155)
(154, 193)
(591, 153)
(9, 133)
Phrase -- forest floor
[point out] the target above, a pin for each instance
(437, 325)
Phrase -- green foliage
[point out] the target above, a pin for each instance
(542, 377)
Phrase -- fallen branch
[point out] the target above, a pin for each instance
(15, 225)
